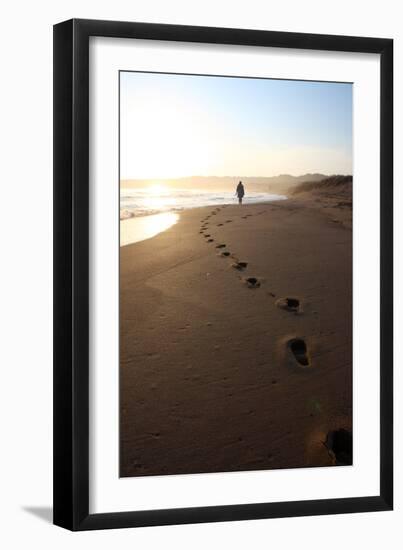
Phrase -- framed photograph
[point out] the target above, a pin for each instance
(223, 299)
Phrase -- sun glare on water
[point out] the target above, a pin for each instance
(158, 196)
(158, 189)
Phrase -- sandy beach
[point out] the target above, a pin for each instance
(218, 373)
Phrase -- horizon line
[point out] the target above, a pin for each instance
(240, 176)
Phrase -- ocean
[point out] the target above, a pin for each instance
(156, 200)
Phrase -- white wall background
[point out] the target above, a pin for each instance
(26, 279)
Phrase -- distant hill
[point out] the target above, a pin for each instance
(275, 184)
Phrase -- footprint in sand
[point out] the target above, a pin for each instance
(289, 304)
(228, 221)
(221, 245)
(220, 224)
(252, 282)
(225, 253)
(340, 446)
(299, 350)
(207, 235)
(240, 266)
(210, 240)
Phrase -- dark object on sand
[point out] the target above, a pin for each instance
(340, 444)
(240, 265)
(299, 350)
(252, 282)
(290, 304)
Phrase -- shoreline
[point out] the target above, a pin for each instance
(207, 379)
(142, 227)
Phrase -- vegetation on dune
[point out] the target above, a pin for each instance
(335, 183)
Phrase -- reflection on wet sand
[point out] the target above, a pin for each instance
(141, 228)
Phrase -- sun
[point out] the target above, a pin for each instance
(157, 189)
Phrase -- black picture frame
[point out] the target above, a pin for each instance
(71, 274)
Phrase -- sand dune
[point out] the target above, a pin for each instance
(236, 340)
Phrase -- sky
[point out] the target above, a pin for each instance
(174, 126)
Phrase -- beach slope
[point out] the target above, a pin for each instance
(226, 366)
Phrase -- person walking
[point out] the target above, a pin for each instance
(240, 191)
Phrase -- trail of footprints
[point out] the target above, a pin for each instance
(338, 442)
(296, 346)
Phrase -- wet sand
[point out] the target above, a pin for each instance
(133, 230)
(221, 374)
